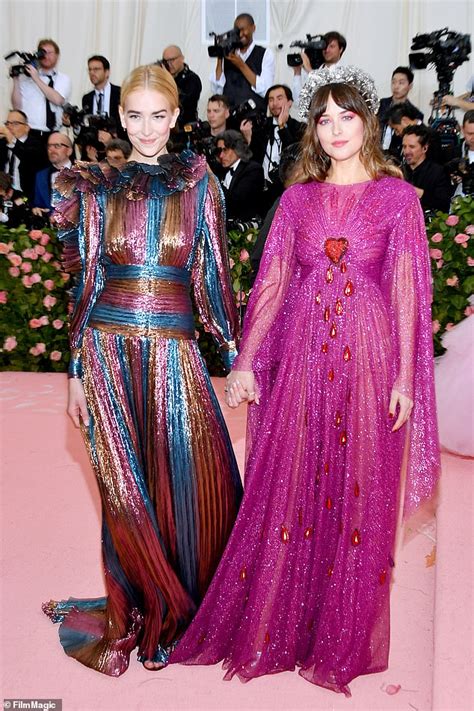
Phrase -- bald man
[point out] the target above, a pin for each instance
(188, 83)
(60, 150)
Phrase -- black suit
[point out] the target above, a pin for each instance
(189, 88)
(32, 158)
(88, 104)
(243, 197)
(396, 142)
(291, 133)
(434, 181)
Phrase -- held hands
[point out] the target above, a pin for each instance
(405, 406)
(77, 406)
(241, 387)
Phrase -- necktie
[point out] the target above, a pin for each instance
(11, 164)
(100, 101)
(50, 116)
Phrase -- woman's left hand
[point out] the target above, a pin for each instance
(405, 405)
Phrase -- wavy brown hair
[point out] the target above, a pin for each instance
(314, 163)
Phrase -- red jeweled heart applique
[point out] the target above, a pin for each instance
(335, 248)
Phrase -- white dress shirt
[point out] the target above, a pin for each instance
(272, 151)
(16, 162)
(105, 100)
(264, 80)
(230, 173)
(33, 101)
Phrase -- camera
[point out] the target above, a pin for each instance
(313, 47)
(461, 171)
(80, 119)
(247, 111)
(225, 43)
(27, 58)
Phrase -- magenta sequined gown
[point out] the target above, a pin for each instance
(340, 313)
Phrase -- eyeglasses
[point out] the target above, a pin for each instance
(171, 59)
(15, 123)
(58, 145)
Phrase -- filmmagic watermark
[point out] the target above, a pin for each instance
(24, 704)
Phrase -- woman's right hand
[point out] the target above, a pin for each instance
(241, 387)
(77, 406)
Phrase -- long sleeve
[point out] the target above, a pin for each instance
(211, 275)
(267, 76)
(269, 293)
(407, 287)
(77, 217)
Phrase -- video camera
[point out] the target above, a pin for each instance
(80, 119)
(225, 43)
(313, 47)
(27, 58)
(447, 50)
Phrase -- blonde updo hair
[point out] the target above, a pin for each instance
(153, 77)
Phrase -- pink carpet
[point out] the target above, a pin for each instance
(50, 544)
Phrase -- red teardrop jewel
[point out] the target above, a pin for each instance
(343, 267)
(338, 419)
(308, 532)
(347, 354)
(355, 538)
(333, 331)
(327, 313)
(349, 288)
(324, 348)
(356, 489)
(329, 275)
(331, 375)
(339, 309)
(284, 534)
(318, 298)
(329, 503)
(343, 438)
(243, 573)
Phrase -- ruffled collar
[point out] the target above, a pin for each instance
(172, 173)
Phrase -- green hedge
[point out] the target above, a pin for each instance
(33, 289)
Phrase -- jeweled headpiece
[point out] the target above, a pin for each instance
(354, 76)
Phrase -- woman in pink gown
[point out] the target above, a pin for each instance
(336, 363)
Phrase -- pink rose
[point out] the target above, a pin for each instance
(449, 326)
(65, 276)
(3, 297)
(4, 248)
(55, 355)
(470, 262)
(47, 256)
(10, 343)
(29, 254)
(26, 280)
(469, 310)
(436, 254)
(244, 255)
(34, 323)
(452, 281)
(49, 301)
(439, 263)
(35, 278)
(461, 238)
(38, 349)
(49, 284)
(436, 326)
(57, 323)
(14, 259)
(464, 244)
(452, 220)
(44, 320)
(231, 263)
(26, 267)
(39, 249)
(57, 265)
(44, 239)
(14, 271)
(35, 234)
(438, 237)
(469, 230)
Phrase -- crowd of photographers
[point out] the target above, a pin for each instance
(249, 138)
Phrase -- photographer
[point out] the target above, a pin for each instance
(266, 143)
(429, 179)
(336, 45)
(22, 155)
(400, 116)
(243, 179)
(462, 169)
(41, 92)
(14, 209)
(465, 102)
(60, 150)
(247, 72)
(104, 99)
(401, 85)
(188, 83)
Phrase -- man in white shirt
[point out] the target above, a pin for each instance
(246, 73)
(335, 47)
(42, 92)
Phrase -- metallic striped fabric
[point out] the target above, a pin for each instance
(137, 242)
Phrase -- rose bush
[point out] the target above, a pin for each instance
(33, 330)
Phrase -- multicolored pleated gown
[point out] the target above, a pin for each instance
(339, 315)
(137, 240)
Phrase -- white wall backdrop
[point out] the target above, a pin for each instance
(132, 32)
